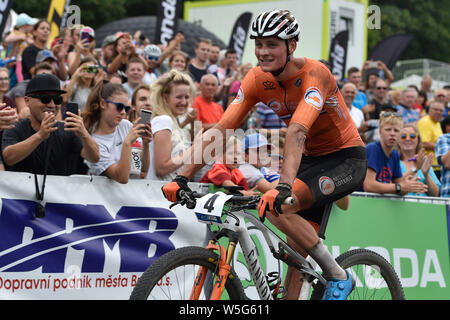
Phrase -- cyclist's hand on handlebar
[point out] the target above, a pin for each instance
(273, 199)
(172, 189)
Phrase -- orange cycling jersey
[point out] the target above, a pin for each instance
(310, 98)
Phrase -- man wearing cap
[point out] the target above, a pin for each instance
(152, 55)
(107, 51)
(40, 141)
(58, 63)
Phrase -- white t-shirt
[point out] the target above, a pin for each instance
(179, 144)
(110, 147)
(252, 174)
(149, 78)
(357, 116)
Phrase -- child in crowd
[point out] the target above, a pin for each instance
(225, 172)
(255, 170)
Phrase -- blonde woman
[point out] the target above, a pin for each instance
(414, 160)
(171, 95)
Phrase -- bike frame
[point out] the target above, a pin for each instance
(279, 248)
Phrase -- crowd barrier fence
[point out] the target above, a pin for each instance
(98, 236)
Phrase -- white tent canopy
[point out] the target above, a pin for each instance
(416, 80)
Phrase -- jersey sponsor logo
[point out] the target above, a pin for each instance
(239, 97)
(275, 105)
(314, 98)
(269, 85)
(332, 102)
(326, 185)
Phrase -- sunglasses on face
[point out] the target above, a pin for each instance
(153, 58)
(387, 114)
(410, 135)
(46, 98)
(120, 106)
(381, 88)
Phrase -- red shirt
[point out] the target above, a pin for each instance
(208, 112)
(220, 173)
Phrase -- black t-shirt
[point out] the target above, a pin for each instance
(65, 150)
(29, 60)
(378, 108)
(196, 73)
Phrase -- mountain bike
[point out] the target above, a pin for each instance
(206, 272)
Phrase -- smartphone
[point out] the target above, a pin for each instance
(146, 116)
(72, 107)
(373, 64)
(86, 36)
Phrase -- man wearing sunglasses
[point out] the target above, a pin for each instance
(41, 141)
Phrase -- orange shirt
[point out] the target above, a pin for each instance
(208, 112)
(310, 98)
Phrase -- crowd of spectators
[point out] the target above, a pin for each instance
(407, 132)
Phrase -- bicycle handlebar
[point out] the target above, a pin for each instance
(188, 198)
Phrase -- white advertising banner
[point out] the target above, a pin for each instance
(95, 240)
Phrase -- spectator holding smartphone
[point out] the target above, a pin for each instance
(124, 50)
(87, 75)
(83, 49)
(39, 141)
(104, 117)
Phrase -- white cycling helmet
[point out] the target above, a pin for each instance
(152, 50)
(279, 23)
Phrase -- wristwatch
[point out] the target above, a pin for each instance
(398, 188)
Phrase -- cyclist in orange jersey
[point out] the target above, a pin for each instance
(324, 156)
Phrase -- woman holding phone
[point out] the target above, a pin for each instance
(171, 95)
(83, 81)
(104, 117)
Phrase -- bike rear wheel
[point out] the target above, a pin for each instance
(375, 277)
(172, 277)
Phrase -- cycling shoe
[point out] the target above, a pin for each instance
(339, 289)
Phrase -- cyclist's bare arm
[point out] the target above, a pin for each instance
(214, 137)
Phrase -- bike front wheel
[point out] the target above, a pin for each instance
(173, 275)
(375, 277)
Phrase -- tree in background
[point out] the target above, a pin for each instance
(427, 20)
(94, 13)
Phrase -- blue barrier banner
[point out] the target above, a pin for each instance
(96, 239)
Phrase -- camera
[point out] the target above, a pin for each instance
(91, 69)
